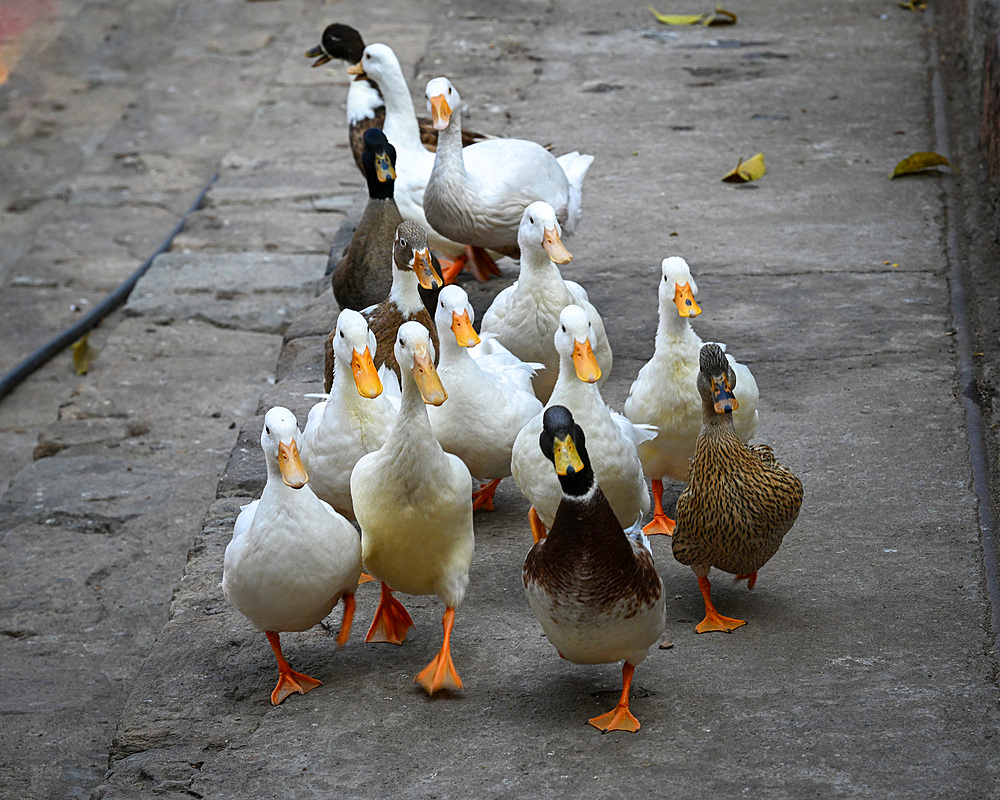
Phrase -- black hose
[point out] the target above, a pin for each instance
(115, 299)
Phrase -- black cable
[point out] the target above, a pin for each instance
(115, 299)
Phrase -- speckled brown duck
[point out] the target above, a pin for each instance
(739, 502)
(411, 267)
(593, 587)
(365, 106)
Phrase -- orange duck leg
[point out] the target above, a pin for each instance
(619, 718)
(391, 621)
(661, 522)
(714, 621)
(440, 673)
(289, 681)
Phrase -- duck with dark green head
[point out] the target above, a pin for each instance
(593, 587)
(739, 502)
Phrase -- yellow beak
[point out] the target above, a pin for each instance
(684, 300)
(356, 69)
(383, 168)
(365, 375)
(440, 112)
(553, 245)
(585, 362)
(461, 326)
(428, 381)
(293, 473)
(567, 460)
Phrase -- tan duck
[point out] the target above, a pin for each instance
(739, 502)
(593, 587)
(365, 104)
(411, 267)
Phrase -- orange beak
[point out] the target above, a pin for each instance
(356, 69)
(553, 245)
(440, 112)
(722, 396)
(461, 326)
(293, 473)
(585, 362)
(424, 269)
(428, 381)
(365, 375)
(684, 300)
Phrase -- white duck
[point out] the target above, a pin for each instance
(414, 162)
(477, 194)
(525, 315)
(489, 395)
(292, 557)
(611, 439)
(353, 420)
(665, 393)
(414, 504)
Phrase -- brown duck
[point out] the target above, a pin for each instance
(739, 502)
(365, 106)
(411, 267)
(593, 587)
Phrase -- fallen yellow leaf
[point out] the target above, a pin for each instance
(83, 354)
(918, 162)
(719, 17)
(746, 171)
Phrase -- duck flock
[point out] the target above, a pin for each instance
(424, 415)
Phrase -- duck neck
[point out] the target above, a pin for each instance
(449, 148)
(412, 430)
(404, 292)
(586, 524)
(400, 119)
(538, 273)
(673, 328)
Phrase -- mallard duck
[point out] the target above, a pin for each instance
(414, 504)
(489, 396)
(292, 557)
(352, 421)
(362, 276)
(477, 194)
(414, 162)
(412, 267)
(593, 588)
(525, 315)
(365, 106)
(739, 501)
(665, 393)
(613, 438)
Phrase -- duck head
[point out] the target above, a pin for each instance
(338, 41)
(378, 158)
(455, 313)
(442, 100)
(575, 339)
(540, 229)
(354, 347)
(415, 354)
(564, 444)
(411, 253)
(279, 440)
(716, 380)
(678, 287)
(375, 60)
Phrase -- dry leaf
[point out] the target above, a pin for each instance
(913, 5)
(83, 354)
(918, 162)
(746, 171)
(719, 17)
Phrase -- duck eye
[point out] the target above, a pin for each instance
(564, 329)
(267, 430)
(531, 220)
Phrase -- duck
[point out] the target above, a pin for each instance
(592, 586)
(665, 392)
(362, 277)
(524, 316)
(414, 162)
(477, 194)
(613, 439)
(414, 505)
(412, 267)
(489, 395)
(292, 558)
(353, 420)
(739, 501)
(365, 105)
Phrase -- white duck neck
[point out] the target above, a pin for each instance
(537, 270)
(672, 327)
(449, 149)
(401, 127)
(403, 292)
(413, 428)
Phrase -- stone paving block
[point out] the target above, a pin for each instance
(317, 317)
(231, 229)
(246, 472)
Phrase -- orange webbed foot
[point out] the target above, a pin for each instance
(450, 270)
(714, 621)
(482, 498)
(365, 578)
(289, 681)
(440, 673)
(482, 264)
(391, 621)
(619, 718)
(661, 524)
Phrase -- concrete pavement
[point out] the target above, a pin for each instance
(866, 669)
